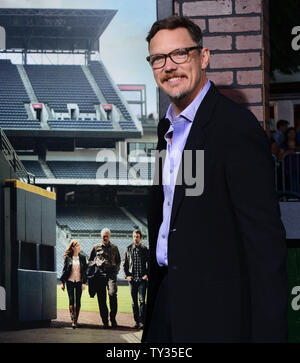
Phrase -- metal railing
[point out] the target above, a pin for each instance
(14, 161)
(287, 173)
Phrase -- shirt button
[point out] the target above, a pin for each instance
(171, 171)
(169, 203)
(163, 236)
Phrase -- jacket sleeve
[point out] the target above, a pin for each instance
(250, 179)
(84, 267)
(125, 263)
(92, 255)
(147, 261)
(118, 259)
(63, 277)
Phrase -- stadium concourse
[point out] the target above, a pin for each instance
(67, 129)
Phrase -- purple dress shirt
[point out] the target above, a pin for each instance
(180, 127)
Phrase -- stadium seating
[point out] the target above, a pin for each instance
(142, 170)
(110, 94)
(94, 218)
(87, 170)
(139, 212)
(12, 98)
(80, 124)
(91, 170)
(58, 85)
(34, 167)
(74, 169)
(60, 249)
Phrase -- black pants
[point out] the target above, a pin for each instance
(138, 293)
(74, 289)
(160, 326)
(110, 283)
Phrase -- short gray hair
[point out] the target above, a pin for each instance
(105, 230)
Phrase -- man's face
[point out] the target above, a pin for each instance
(106, 238)
(136, 239)
(181, 82)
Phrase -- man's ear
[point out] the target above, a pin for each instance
(205, 53)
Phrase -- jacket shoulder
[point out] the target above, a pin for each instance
(82, 256)
(114, 246)
(236, 114)
(67, 259)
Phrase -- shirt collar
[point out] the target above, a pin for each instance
(189, 112)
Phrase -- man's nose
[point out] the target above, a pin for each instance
(170, 65)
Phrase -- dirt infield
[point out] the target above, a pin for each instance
(90, 330)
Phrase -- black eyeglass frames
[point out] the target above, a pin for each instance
(177, 56)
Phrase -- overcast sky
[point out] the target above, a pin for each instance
(122, 46)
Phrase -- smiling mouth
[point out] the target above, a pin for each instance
(174, 79)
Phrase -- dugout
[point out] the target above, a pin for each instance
(27, 243)
(29, 252)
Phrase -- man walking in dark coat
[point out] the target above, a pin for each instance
(135, 267)
(107, 258)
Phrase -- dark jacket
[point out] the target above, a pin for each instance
(67, 269)
(128, 260)
(108, 257)
(226, 247)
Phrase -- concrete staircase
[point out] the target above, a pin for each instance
(27, 84)
(98, 92)
(136, 221)
(46, 169)
(93, 84)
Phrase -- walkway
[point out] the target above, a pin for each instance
(90, 330)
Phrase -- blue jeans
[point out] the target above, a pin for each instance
(138, 293)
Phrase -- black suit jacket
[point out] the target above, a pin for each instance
(226, 247)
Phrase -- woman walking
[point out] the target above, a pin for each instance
(74, 276)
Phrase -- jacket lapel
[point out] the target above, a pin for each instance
(195, 141)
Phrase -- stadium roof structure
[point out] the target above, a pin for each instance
(54, 30)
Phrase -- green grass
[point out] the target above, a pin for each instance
(91, 304)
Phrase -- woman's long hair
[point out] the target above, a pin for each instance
(69, 250)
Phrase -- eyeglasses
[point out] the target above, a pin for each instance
(177, 56)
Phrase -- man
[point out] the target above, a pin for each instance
(217, 257)
(279, 135)
(136, 272)
(107, 257)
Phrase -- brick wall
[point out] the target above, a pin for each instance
(236, 32)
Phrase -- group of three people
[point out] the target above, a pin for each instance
(106, 257)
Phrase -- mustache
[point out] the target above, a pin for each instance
(173, 75)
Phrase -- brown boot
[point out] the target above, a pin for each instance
(72, 315)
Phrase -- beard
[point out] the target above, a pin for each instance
(178, 96)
